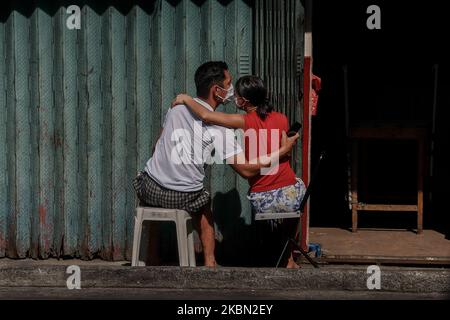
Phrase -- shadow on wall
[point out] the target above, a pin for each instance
(243, 245)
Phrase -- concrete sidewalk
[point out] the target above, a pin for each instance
(100, 279)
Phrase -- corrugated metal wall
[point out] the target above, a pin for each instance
(279, 37)
(80, 111)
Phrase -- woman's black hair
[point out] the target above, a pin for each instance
(253, 89)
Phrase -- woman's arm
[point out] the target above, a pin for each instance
(234, 120)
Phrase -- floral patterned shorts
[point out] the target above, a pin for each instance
(285, 199)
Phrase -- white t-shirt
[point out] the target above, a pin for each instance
(184, 148)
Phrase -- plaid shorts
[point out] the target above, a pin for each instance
(152, 194)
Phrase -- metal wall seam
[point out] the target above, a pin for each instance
(147, 122)
(107, 214)
(131, 145)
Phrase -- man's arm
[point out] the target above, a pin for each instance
(250, 169)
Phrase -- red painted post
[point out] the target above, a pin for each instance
(306, 165)
(306, 150)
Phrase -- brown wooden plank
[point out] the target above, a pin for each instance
(386, 207)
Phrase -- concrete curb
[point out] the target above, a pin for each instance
(22, 273)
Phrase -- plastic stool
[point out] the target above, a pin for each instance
(183, 223)
(277, 215)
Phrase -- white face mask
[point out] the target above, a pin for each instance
(240, 106)
(229, 95)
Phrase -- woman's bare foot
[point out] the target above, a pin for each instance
(291, 264)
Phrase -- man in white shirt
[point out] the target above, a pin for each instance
(173, 176)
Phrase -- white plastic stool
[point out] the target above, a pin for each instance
(183, 223)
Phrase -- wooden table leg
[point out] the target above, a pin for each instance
(420, 184)
(354, 173)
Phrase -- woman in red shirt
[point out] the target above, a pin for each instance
(277, 189)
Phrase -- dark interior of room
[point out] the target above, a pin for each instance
(391, 81)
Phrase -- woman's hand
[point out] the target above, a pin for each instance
(180, 99)
(288, 142)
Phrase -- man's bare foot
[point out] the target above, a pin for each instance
(211, 264)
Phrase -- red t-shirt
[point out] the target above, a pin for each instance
(264, 130)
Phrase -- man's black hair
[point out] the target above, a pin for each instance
(209, 74)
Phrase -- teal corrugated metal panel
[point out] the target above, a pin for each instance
(83, 150)
(145, 123)
(244, 55)
(131, 117)
(156, 62)
(3, 145)
(34, 135)
(46, 157)
(92, 37)
(228, 189)
(167, 58)
(11, 154)
(72, 223)
(216, 38)
(54, 137)
(179, 47)
(119, 124)
(193, 43)
(216, 30)
(53, 186)
(94, 100)
(279, 55)
(23, 108)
